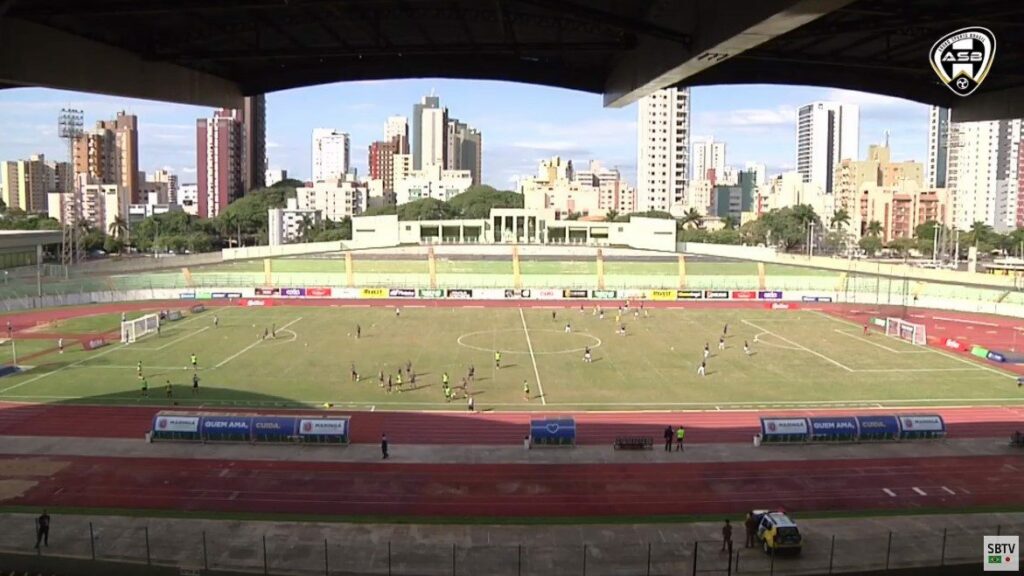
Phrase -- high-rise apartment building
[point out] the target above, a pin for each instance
(381, 165)
(220, 153)
(396, 129)
(464, 148)
(985, 172)
(938, 146)
(26, 183)
(330, 154)
(429, 122)
(853, 177)
(760, 172)
(254, 147)
(826, 133)
(109, 154)
(663, 143)
(171, 180)
(708, 160)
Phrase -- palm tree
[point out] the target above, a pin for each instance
(979, 230)
(306, 228)
(805, 214)
(729, 222)
(611, 215)
(875, 228)
(118, 227)
(840, 219)
(694, 217)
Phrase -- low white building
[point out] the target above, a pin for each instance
(274, 176)
(334, 199)
(433, 181)
(590, 193)
(188, 198)
(286, 225)
(100, 205)
(139, 212)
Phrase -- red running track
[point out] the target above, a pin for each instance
(594, 428)
(527, 490)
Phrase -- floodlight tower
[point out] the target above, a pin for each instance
(69, 125)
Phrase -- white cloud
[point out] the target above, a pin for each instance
(868, 100)
(747, 118)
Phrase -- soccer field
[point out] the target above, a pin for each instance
(800, 359)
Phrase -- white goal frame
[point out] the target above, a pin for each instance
(132, 330)
(909, 331)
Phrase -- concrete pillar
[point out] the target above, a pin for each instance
(515, 229)
(600, 269)
(432, 266)
(268, 272)
(760, 276)
(350, 276)
(462, 233)
(517, 278)
(682, 271)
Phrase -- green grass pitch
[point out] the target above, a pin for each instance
(800, 359)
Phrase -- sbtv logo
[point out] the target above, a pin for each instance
(1001, 554)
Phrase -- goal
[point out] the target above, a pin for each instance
(132, 330)
(909, 331)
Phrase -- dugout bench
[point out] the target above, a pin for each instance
(633, 443)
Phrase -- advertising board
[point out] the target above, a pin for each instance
(270, 428)
(922, 423)
(293, 292)
(373, 292)
(953, 344)
(346, 293)
(878, 427)
(268, 291)
(788, 427)
(548, 294)
(689, 294)
(716, 294)
(744, 295)
(834, 428)
(662, 294)
(603, 294)
(553, 432)
(318, 292)
(518, 293)
(995, 356)
(187, 295)
(198, 308)
(164, 423)
(174, 315)
(574, 293)
(431, 293)
(94, 343)
(402, 293)
(461, 293)
(231, 425)
(816, 298)
(769, 295)
(323, 427)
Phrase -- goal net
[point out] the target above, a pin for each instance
(909, 331)
(132, 330)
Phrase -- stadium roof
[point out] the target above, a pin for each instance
(213, 52)
(24, 239)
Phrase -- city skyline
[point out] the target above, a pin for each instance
(523, 124)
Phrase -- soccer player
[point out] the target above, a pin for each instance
(194, 361)
(195, 384)
(273, 330)
(600, 314)
(568, 328)
(707, 351)
(636, 313)
(398, 312)
(145, 387)
(359, 331)
(721, 342)
(353, 373)
(746, 348)
(447, 393)
(389, 383)
(755, 339)
(725, 330)
(553, 315)
(526, 390)
(497, 359)
(622, 329)
(444, 379)
(216, 321)
(701, 370)
(398, 381)
(380, 378)
(865, 328)
(124, 317)
(138, 368)
(266, 333)
(586, 355)
(412, 380)
(170, 391)
(472, 372)
(618, 316)
(469, 403)
(60, 345)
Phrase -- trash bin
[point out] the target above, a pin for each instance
(757, 439)
(526, 443)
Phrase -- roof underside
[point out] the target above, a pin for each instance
(261, 46)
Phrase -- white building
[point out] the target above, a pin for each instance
(663, 142)
(984, 171)
(789, 190)
(698, 197)
(188, 198)
(335, 200)
(708, 156)
(938, 147)
(614, 193)
(100, 205)
(330, 154)
(431, 182)
(273, 176)
(826, 132)
(171, 180)
(433, 139)
(397, 127)
(139, 212)
(287, 224)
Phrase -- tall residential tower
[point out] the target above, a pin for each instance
(663, 143)
(826, 133)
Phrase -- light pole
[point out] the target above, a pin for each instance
(14, 347)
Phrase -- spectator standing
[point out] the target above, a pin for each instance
(680, 436)
(668, 438)
(751, 526)
(727, 536)
(384, 443)
(43, 529)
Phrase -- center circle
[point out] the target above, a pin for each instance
(543, 341)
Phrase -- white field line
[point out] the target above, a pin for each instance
(917, 370)
(533, 358)
(251, 346)
(959, 321)
(175, 341)
(939, 352)
(882, 346)
(949, 491)
(889, 492)
(919, 491)
(801, 347)
(62, 368)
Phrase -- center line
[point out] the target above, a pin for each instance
(529, 345)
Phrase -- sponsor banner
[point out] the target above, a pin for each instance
(174, 315)
(769, 295)
(995, 356)
(816, 298)
(553, 431)
(548, 294)
(662, 294)
(346, 293)
(281, 426)
(373, 292)
(268, 291)
(979, 351)
(744, 295)
(257, 302)
(226, 425)
(840, 427)
(187, 295)
(633, 293)
(94, 343)
(878, 426)
(603, 294)
(880, 322)
(489, 293)
(203, 295)
(402, 293)
(514, 294)
(318, 292)
(222, 295)
(950, 343)
(783, 426)
(716, 294)
(927, 423)
(175, 423)
(460, 293)
(293, 292)
(323, 427)
(780, 305)
(689, 294)
(431, 293)
(198, 308)
(574, 293)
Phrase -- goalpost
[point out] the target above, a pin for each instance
(909, 331)
(132, 330)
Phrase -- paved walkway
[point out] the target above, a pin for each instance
(859, 544)
(473, 454)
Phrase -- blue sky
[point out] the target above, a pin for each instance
(521, 124)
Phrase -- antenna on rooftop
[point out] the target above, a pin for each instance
(886, 137)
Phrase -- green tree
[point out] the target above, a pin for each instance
(692, 218)
(477, 201)
(875, 228)
(113, 245)
(426, 209)
(902, 246)
(118, 227)
(729, 222)
(611, 215)
(840, 219)
(870, 244)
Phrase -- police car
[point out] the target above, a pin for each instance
(777, 532)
